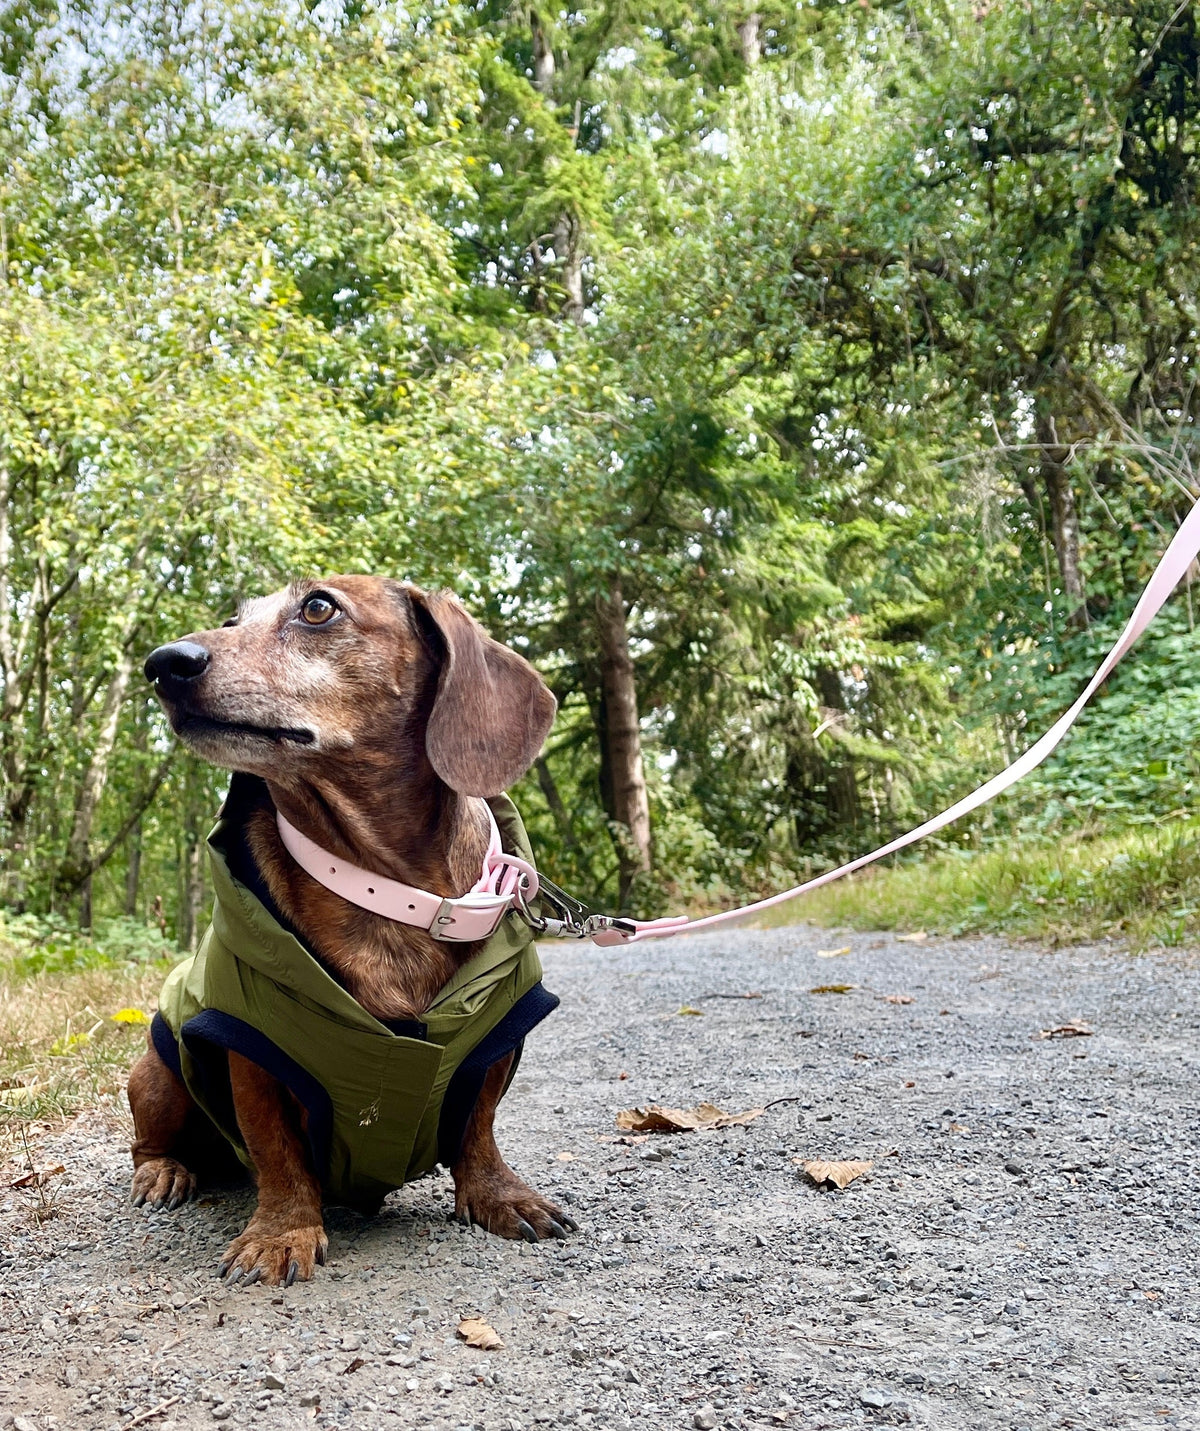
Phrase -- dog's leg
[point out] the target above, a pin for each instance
(161, 1108)
(486, 1190)
(285, 1238)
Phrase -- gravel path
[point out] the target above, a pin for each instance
(1024, 1253)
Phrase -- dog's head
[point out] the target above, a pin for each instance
(354, 671)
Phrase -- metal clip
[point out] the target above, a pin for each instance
(575, 920)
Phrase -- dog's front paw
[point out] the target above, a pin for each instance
(272, 1255)
(506, 1206)
(161, 1182)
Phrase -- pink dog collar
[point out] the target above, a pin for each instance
(474, 915)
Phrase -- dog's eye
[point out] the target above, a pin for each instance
(317, 610)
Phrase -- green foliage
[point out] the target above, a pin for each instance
(52, 944)
(854, 346)
(1141, 888)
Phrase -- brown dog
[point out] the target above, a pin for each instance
(374, 714)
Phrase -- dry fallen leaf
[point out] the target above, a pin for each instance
(918, 937)
(1074, 1028)
(688, 1009)
(898, 999)
(654, 1118)
(833, 988)
(840, 1174)
(38, 1179)
(477, 1333)
(833, 953)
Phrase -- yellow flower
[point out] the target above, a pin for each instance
(130, 1016)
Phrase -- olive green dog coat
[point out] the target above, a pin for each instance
(385, 1102)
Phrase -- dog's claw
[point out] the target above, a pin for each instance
(292, 1273)
(557, 1230)
(526, 1231)
(252, 1277)
(138, 1199)
(222, 1269)
(569, 1223)
(237, 1275)
(320, 1255)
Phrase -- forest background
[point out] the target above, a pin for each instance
(806, 388)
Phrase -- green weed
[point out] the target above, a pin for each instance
(1141, 887)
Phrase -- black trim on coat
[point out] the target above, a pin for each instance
(213, 1029)
(463, 1091)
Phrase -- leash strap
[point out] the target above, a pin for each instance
(1167, 575)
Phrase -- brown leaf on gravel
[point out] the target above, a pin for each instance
(917, 937)
(654, 1118)
(477, 1333)
(1074, 1028)
(833, 988)
(898, 999)
(840, 1174)
(354, 1365)
(38, 1179)
(833, 953)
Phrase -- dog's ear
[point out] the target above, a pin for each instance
(492, 710)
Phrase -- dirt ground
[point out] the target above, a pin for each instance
(1023, 1254)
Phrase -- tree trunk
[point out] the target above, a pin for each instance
(554, 801)
(543, 54)
(133, 870)
(76, 868)
(622, 736)
(568, 250)
(1064, 521)
(750, 38)
(841, 780)
(191, 863)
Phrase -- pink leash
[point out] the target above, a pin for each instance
(509, 883)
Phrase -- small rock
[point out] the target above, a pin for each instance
(1015, 1169)
(273, 1381)
(222, 1413)
(352, 1341)
(421, 1309)
(705, 1417)
(579, 1352)
(71, 1374)
(310, 1398)
(874, 1397)
(131, 1334)
(651, 1155)
(24, 1423)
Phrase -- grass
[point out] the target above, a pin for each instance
(61, 1048)
(1141, 888)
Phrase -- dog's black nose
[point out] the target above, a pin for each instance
(176, 664)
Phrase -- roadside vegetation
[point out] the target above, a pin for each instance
(1139, 889)
(73, 1016)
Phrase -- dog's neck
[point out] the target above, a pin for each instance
(419, 832)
